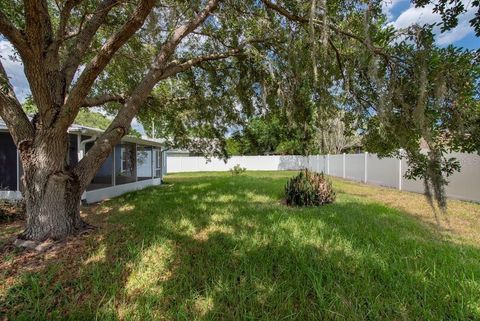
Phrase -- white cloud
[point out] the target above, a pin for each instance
(138, 126)
(423, 16)
(14, 69)
(416, 16)
(388, 5)
(461, 31)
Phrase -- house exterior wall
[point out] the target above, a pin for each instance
(117, 175)
(117, 190)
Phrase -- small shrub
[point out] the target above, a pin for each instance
(309, 189)
(237, 170)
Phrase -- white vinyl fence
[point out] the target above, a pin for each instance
(176, 164)
(366, 168)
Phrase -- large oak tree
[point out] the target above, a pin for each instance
(227, 57)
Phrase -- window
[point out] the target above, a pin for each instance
(125, 163)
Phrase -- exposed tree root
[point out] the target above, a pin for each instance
(33, 245)
(27, 240)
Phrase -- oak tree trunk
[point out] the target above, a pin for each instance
(52, 191)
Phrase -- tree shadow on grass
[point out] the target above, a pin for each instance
(225, 249)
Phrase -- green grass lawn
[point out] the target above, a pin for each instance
(209, 246)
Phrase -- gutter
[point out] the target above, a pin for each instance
(81, 148)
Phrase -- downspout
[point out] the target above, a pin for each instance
(81, 148)
(81, 153)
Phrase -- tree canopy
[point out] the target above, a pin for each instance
(196, 69)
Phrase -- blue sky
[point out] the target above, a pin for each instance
(400, 13)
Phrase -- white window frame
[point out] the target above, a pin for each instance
(122, 159)
(158, 162)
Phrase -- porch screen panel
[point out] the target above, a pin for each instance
(73, 150)
(125, 163)
(144, 162)
(8, 163)
(104, 176)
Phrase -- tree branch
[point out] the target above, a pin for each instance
(102, 58)
(15, 36)
(65, 14)
(103, 99)
(290, 16)
(180, 33)
(176, 67)
(284, 12)
(12, 113)
(119, 126)
(338, 58)
(38, 26)
(42, 67)
(84, 39)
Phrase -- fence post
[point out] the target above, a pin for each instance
(400, 174)
(343, 161)
(366, 168)
(328, 164)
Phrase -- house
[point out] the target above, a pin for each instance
(134, 164)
